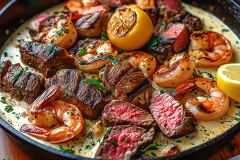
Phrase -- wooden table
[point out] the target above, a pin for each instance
(8, 149)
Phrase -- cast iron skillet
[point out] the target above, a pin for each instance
(16, 12)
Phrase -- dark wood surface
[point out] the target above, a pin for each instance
(10, 151)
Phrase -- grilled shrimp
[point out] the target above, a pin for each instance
(93, 55)
(212, 104)
(59, 30)
(177, 70)
(145, 61)
(62, 120)
(210, 49)
(81, 8)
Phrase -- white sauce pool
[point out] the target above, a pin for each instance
(85, 144)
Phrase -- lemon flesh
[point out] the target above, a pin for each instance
(228, 80)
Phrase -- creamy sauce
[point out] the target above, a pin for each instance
(87, 142)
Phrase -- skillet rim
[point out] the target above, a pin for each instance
(21, 137)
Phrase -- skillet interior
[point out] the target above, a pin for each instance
(53, 153)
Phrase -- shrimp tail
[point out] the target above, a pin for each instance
(35, 131)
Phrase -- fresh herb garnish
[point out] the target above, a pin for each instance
(8, 108)
(153, 42)
(108, 129)
(153, 146)
(89, 145)
(237, 117)
(61, 16)
(114, 142)
(66, 30)
(3, 100)
(127, 139)
(5, 54)
(66, 150)
(162, 90)
(54, 50)
(225, 30)
(114, 60)
(171, 91)
(96, 83)
(17, 75)
(83, 51)
(87, 40)
(103, 36)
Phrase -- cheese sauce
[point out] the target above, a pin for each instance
(86, 143)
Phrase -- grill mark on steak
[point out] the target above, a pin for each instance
(121, 112)
(93, 25)
(88, 98)
(173, 119)
(46, 58)
(127, 83)
(124, 141)
(21, 85)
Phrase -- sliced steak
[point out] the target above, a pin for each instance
(180, 36)
(173, 119)
(127, 83)
(3, 70)
(123, 142)
(121, 112)
(46, 58)
(20, 84)
(93, 25)
(173, 5)
(192, 22)
(88, 98)
(116, 3)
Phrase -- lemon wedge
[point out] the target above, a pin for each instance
(228, 80)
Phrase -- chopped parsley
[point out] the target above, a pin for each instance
(162, 90)
(114, 60)
(17, 75)
(3, 100)
(108, 129)
(61, 16)
(66, 150)
(54, 49)
(171, 91)
(89, 145)
(153, 42)
(151, 147)
(8, 109)
(103, 36)
(114, 142)
(87, 40)
(96, 83)
(83, 51)
(127, 139)
(66, 30)
(237, 117)
(225, 30)
(5, 54)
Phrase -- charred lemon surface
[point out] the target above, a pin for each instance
(129, 28)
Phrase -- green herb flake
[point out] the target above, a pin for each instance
(5, 54)
(151, 147)
(153, 154)
(66, 150)
(114, 60)
(3, 100)
(162, 90)
(7, 158)
(237, 118)
(87, 40)
(114, 142)
(225, 30)
(72, 113)
(103, 36)
(127, 139)
(8, 109)
(96, 83)
(153, 42)
(66, 30)
(61, 16)
(108, 129)
(171, 91)
(17, 75)
(83, 51)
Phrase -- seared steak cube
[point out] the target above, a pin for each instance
(20, 84)
(88, 98)
(121, 112)
(93, 25)
(127, 83)
(3, 70)
(46, 58)
(123, 142)
(173, 119)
